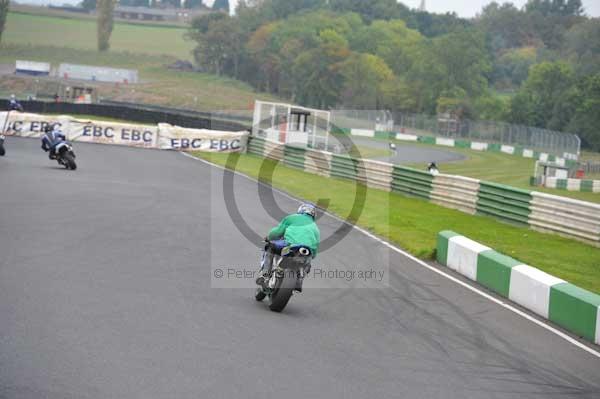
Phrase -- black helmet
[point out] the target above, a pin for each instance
(48, 128)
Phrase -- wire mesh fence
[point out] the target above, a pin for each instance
(362, 119)
(491, 132)
(589, 167)
(543, 140)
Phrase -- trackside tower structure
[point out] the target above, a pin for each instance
(291, 124)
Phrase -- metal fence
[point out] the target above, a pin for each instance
(362, 119)
(542, 140)
(589, 167)
(491, 132)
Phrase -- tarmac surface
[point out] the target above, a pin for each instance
(107, 290)
(410, 153)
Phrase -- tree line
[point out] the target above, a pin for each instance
(538, 65)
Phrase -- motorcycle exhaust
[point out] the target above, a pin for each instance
(304, 251)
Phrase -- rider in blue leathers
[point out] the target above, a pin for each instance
(14, 105)
(51, 138)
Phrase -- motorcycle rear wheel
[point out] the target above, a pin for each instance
(69, 161)
(282, 292)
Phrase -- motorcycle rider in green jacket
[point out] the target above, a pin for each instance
(296, 229)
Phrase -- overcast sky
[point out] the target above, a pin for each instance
(464, 8)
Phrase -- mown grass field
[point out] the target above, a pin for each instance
(80, 33)
(159, 85)
(53, 12)
(500, 168)
(413, 224)
(145, 47)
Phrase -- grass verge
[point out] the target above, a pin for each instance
(159, 85)
(413, 224)
(26, 29)
(498, 167)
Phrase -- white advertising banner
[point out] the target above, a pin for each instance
(163, 136)
(183, 139)
(145, 136)
(406, 137)
(30, 125)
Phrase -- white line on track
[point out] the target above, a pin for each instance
(505, 305)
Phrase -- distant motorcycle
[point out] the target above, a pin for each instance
(287, 275)
(65, 155)
(13, 105)
(433, 169)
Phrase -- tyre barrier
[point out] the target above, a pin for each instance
(548, 213)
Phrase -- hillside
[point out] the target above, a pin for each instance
(147, 48)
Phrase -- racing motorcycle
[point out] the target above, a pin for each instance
(65, 155)
(286, 276)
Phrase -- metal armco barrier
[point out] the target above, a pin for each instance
(548, 213)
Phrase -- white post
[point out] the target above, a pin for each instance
(314, 129)
(327, 129)
(256, 118)
(288, 122)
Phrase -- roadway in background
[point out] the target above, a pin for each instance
(410, 153)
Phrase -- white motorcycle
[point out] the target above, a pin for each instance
(65, 155)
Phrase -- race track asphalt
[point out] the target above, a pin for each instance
(410, 153)
(105, 292)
